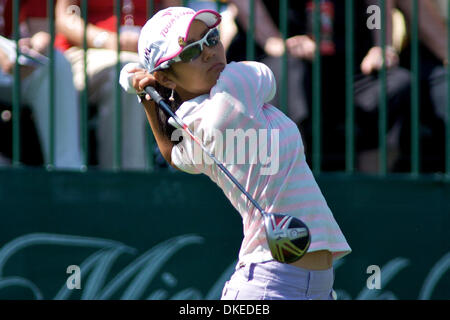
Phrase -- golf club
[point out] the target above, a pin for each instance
(288, 237)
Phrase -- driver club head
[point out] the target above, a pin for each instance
(287, 236)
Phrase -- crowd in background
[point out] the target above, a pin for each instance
(102, 40)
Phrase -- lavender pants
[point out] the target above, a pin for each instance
(273, 280)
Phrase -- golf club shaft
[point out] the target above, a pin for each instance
(160, 101)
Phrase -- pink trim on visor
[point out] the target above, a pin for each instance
(218, 20)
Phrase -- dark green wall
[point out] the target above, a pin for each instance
(172, 235)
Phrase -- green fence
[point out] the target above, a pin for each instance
(317, 135)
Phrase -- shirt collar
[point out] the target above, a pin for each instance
(189, 106)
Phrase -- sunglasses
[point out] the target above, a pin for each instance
(195, 49)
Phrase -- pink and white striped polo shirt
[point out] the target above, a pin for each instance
(263, 149)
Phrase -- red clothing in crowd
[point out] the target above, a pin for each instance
(6, 18)
(33, 9)
(28, 9)
(101, 14)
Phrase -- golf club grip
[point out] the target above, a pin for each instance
(157, 97)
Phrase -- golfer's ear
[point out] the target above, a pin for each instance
(164, 80)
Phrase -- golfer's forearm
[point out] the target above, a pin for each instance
(164, 143)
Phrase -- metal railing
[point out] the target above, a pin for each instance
(350, 151)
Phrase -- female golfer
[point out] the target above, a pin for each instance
(185, 62)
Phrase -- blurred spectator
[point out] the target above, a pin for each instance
(301, 48)
(270, 47)
(442, 6)
(35, 41)
(433, 84)
(102, 57)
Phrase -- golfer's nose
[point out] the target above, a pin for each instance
(207, 53)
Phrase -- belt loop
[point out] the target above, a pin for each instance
(308, 284)
(249, 271)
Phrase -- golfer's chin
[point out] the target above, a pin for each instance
(213, 78)
(215, 70)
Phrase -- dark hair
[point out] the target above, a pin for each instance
(163, 118)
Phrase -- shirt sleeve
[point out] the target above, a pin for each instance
(183, 160)
(251, 83)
